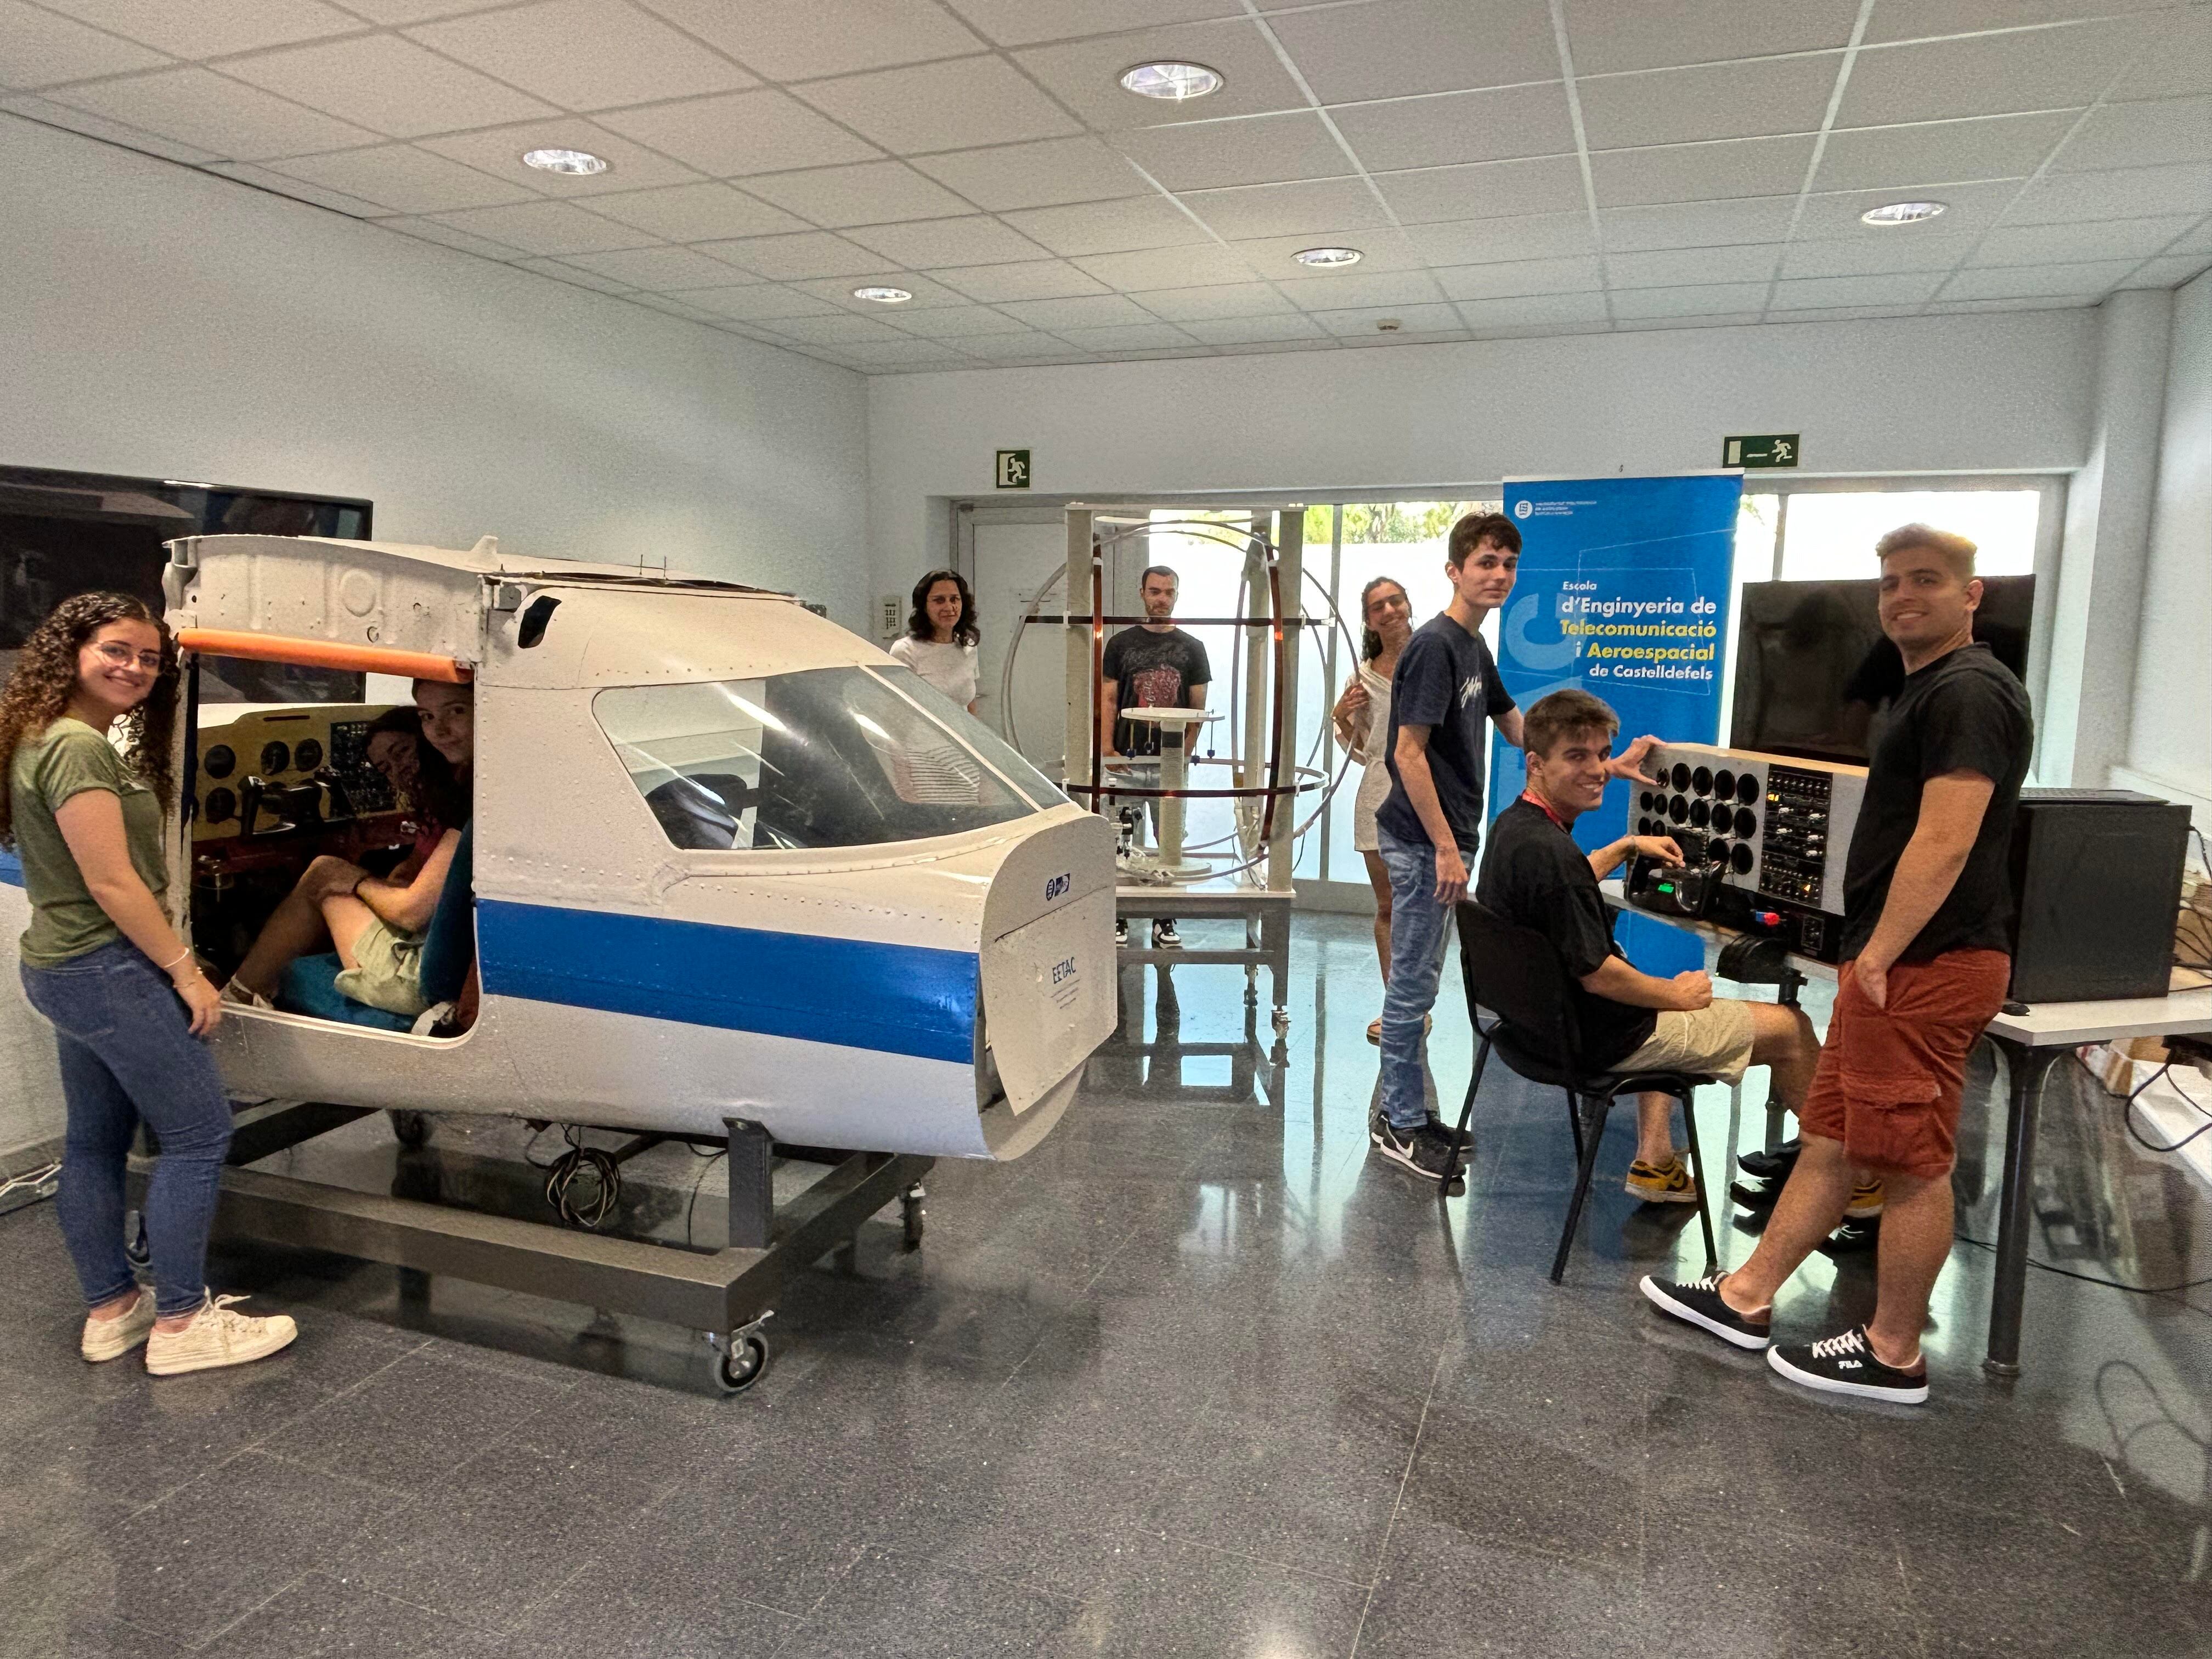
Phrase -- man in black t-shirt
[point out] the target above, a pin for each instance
(1927, 928)
(1535, 877)
(1156, 665)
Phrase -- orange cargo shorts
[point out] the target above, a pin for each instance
(1890, 1079)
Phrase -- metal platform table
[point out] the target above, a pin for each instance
(724, 1293)
(1265, 912)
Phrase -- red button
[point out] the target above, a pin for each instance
(1769, 918)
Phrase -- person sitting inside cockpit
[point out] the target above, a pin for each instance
(377, 924)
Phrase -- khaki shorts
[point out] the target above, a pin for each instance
(1715, 1040)
(389, 976)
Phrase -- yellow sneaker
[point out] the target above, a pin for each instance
(1866, 1201)
(110, 1339)
(216, 1337)
(1656, 1185)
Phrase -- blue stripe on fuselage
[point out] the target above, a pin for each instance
(897, 999)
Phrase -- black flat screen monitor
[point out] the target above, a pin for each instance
(1813, 672)
(65, 533)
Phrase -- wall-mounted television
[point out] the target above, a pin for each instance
(64, 533)
(1813, 672)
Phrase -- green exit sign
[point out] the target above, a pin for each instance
(1763, 450)
(1013, 469)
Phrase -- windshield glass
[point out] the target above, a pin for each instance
(1010, 763)
(825, 757)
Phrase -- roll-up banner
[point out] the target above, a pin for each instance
(1624, 592)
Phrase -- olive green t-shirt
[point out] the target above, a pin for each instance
(66, 759)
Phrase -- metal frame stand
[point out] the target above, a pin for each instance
(724, 1294)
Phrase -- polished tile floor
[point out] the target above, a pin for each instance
(1197, 1377)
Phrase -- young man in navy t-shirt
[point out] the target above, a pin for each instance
(1443, 696)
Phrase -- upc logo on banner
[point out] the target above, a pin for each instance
(1522, 508)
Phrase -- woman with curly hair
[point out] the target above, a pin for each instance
(101, 961)
(1363, 726)
(940, 637)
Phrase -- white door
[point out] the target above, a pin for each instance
(1011, 560)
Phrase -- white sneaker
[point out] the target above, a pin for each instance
(110, 1339)
(217, 1337)
(243, 996)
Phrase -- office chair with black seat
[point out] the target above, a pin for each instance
(1516, 974)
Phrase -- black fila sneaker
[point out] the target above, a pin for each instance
(1846, 1365)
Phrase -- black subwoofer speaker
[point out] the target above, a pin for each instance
(2096, 876)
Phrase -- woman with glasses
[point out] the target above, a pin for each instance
(1363, 726)
(85, 788)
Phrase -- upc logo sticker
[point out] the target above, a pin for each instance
(1058, 886)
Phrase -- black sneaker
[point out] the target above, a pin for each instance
(1773, 1166)
(1121, 932)
(1846, 1365)
(1699, 1303)
(1165, 936)
(1427, 1150)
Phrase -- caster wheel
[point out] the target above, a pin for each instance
(412, 1129)
(911, 1214)
(738, 1362)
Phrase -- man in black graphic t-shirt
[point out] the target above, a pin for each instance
(1156, 665)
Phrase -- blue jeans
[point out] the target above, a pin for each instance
(128, 1053)
(1420, 929)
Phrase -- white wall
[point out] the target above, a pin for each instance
(158, 320)
(1982, 392)
(2170, 729)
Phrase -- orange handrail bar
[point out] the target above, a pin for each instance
(325, 654)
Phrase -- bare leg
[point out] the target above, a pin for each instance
(1782, 1040)
(1916, 1241)
(1655, 1129)
(1812, 1203)
(347, 919)
(1379, 879)
(295, 929)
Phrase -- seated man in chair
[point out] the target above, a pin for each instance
(1535, 876)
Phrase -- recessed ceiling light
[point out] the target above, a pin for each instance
(1327, 256)
(1172, 81)
(576, 163)
(883, 296)
(1901, 213)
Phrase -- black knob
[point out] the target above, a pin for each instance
(1679, 809)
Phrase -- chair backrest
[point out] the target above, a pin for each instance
(449, 943)
(1515, 972)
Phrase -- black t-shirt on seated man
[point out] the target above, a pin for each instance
(1151, 670)
(1535, 876)
(1963, 712)
(1447, 681)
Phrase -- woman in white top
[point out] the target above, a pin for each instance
(939, 642)
(1362, 726)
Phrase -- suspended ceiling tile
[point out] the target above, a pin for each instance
(905, 355)
(1487, 190)
(1097, 310)
(1898, 288)
(498, 152)
(1036, 279)
(1697, 224)
(1168, 267)
(958, 323)
(2173, 133)
(1931, 152)
(1109, 227)
(1700, 173)
(2177, 64)
(262, 177)
(1677, 267)
(1025, 344)
(1024, 22)
(1260, 150)
(804, 40)
(1255, 330)
(1713, 101)
(430, 230)
(2018, 302)
(2123, 193)
(2009, 282)
(695, 213)
(1526, 236)
(401, 178)
(39, 49)
(1494, 126)
(1906, 20)
(741, 133)
(2059, 68)
(866, 193)
(792, 258)
(838, 330)
(387, 84)
(1533, 310)
(1050, 172)
(1633, 34)
(210, 28)
(1395, 47)
(392, 14)
(1878, 252)
(2107, 238)
(662, 269)
(1216, 300)
(674, 307)
(1703, 299)
(550, 228)
(1344, 290)
(959, 104)
(584, 54)
(1724, 319)
(2199, 240)
(759, 302)
(1268, 348)
(561, 272)
(975, 239)
(1507, 279)
(2170, 271)
(838, 290)
(1436, 319)
(1250, 210)
(1130, 336)
(1085, 75)
(1780, 313)
(198, 107)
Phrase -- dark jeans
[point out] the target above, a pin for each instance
(128, 1053)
